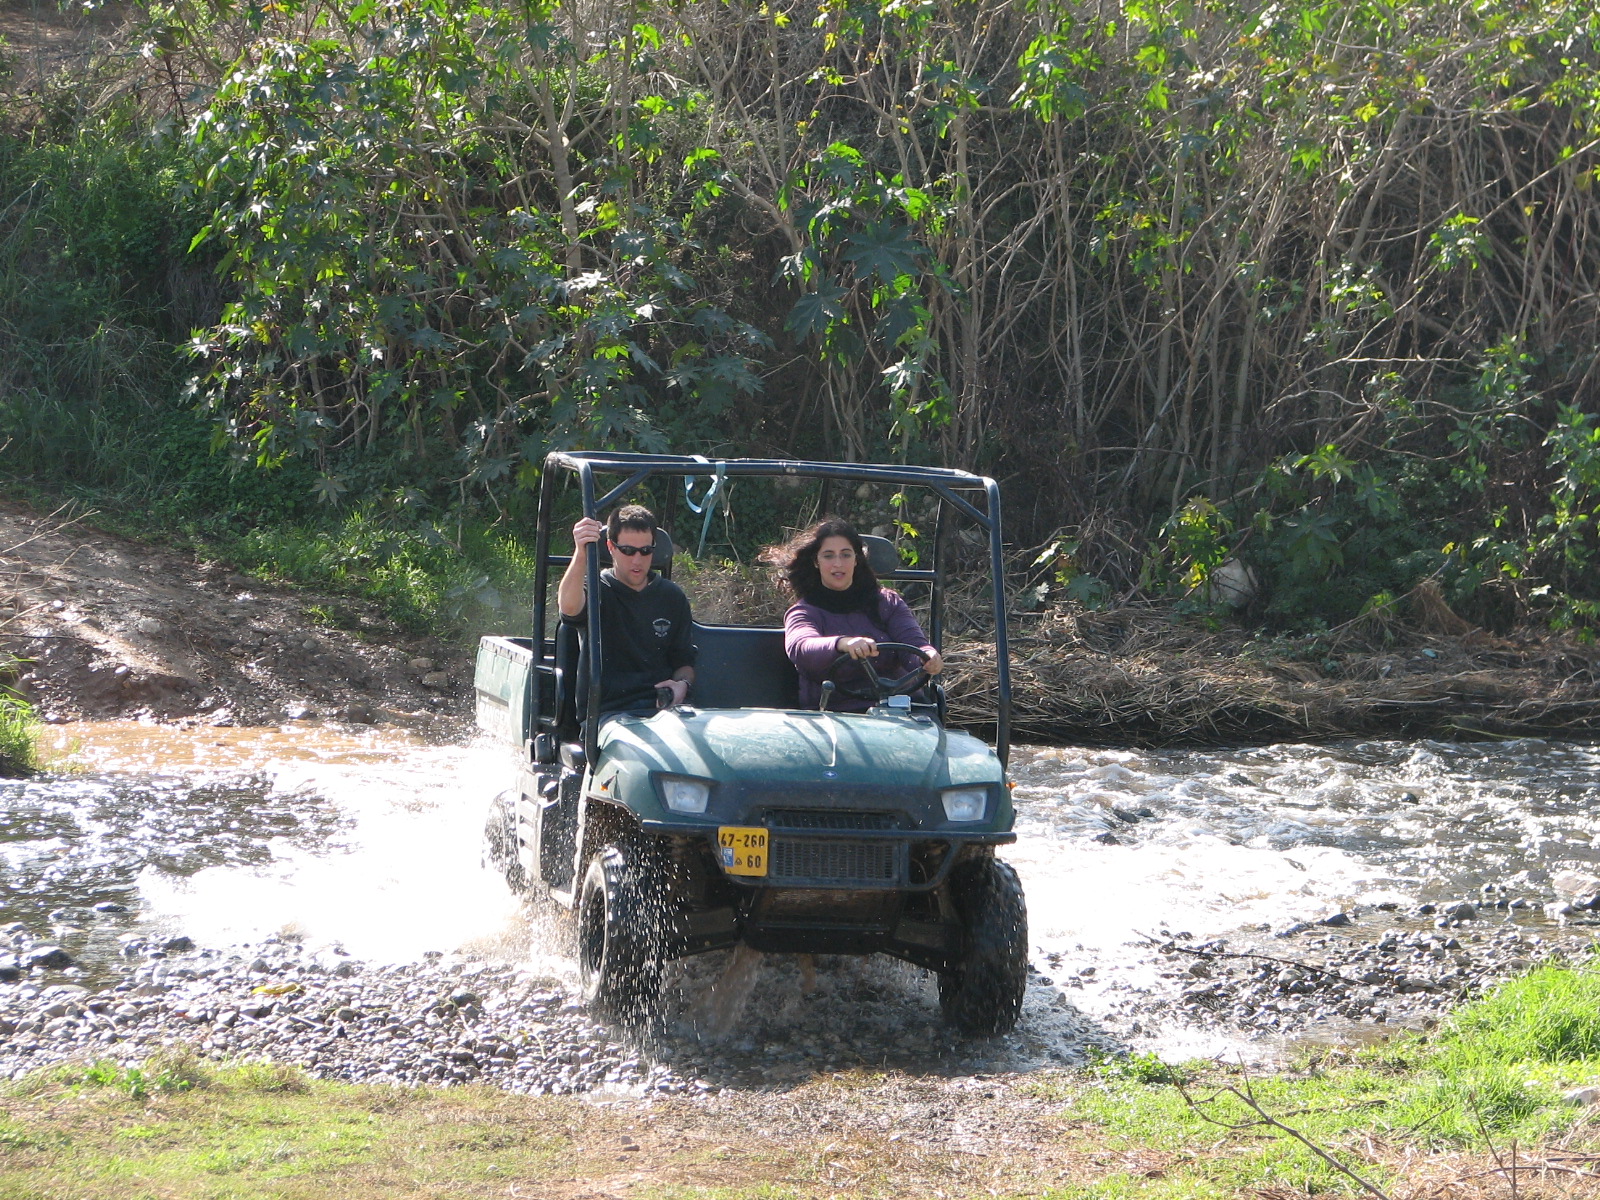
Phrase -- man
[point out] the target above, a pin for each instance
(645, 628)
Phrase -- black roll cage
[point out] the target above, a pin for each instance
(946, 483)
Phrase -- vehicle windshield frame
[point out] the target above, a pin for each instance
(977, 497)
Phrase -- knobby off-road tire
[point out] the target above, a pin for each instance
(500, 841)
(982, 994)
(620, 934)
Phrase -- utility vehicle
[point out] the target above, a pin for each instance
(740, 817)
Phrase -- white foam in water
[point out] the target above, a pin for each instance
(403, 878)
(1115, 848)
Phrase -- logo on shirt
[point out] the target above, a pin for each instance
(662, 626)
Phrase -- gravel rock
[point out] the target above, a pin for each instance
(512, 1029)
(1582, 888)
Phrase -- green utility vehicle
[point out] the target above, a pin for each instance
(740, 817)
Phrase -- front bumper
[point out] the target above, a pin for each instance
(899, 860)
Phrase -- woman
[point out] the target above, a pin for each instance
(840, 608)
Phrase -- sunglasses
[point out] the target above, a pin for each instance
(631, 551)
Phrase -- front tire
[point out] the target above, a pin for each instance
(981, 994)
(620, 935)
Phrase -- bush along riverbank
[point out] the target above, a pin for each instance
(18, 726)
(1237, 303)
(18, 721)
(1150, 675)
(1499, 1100)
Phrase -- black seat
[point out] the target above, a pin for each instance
(882, 556)
(568, 656)
(740, 667)
(737, 667)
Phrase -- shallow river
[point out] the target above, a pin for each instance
(370, 839)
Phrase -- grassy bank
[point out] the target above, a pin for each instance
(1463, 1113)
(18, 723)
(18, 728)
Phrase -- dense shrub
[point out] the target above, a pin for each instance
(1319, 277)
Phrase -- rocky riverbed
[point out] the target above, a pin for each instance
(448, 1019)
(1348, 973)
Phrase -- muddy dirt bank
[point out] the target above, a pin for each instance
(106, 627)
(103, 627)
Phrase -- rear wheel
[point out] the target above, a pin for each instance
(620, 934)
(982, 993)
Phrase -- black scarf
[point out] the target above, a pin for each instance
(861, 596)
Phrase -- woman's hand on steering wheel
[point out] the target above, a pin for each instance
(857, 647)
(864, 649)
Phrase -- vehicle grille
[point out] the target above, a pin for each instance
(828, 818)
(835, 861)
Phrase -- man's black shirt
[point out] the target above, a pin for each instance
(645, 636)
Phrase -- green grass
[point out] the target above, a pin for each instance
(19, 729)
(469, 577)
(181, 1129)
(1494, 1074)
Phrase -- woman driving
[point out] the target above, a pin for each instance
(841, 609)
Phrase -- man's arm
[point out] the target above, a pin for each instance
(680, 683)
(570, 595)
(683, 653)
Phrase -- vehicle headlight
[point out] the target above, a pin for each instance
(965, 804)
(686, 795)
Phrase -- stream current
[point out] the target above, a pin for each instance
(370, 840)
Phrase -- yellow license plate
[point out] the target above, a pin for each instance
(742, 849)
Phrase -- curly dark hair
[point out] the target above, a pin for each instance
(796, 561)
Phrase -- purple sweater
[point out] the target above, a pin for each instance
(811, 639)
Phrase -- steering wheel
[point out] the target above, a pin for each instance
(882, 688)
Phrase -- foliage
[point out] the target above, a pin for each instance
(162, 1075)
(431, 577)
(18, 732)
(1494, 1073)
(425, 293)
(1551, 1015)
(1298, 285)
